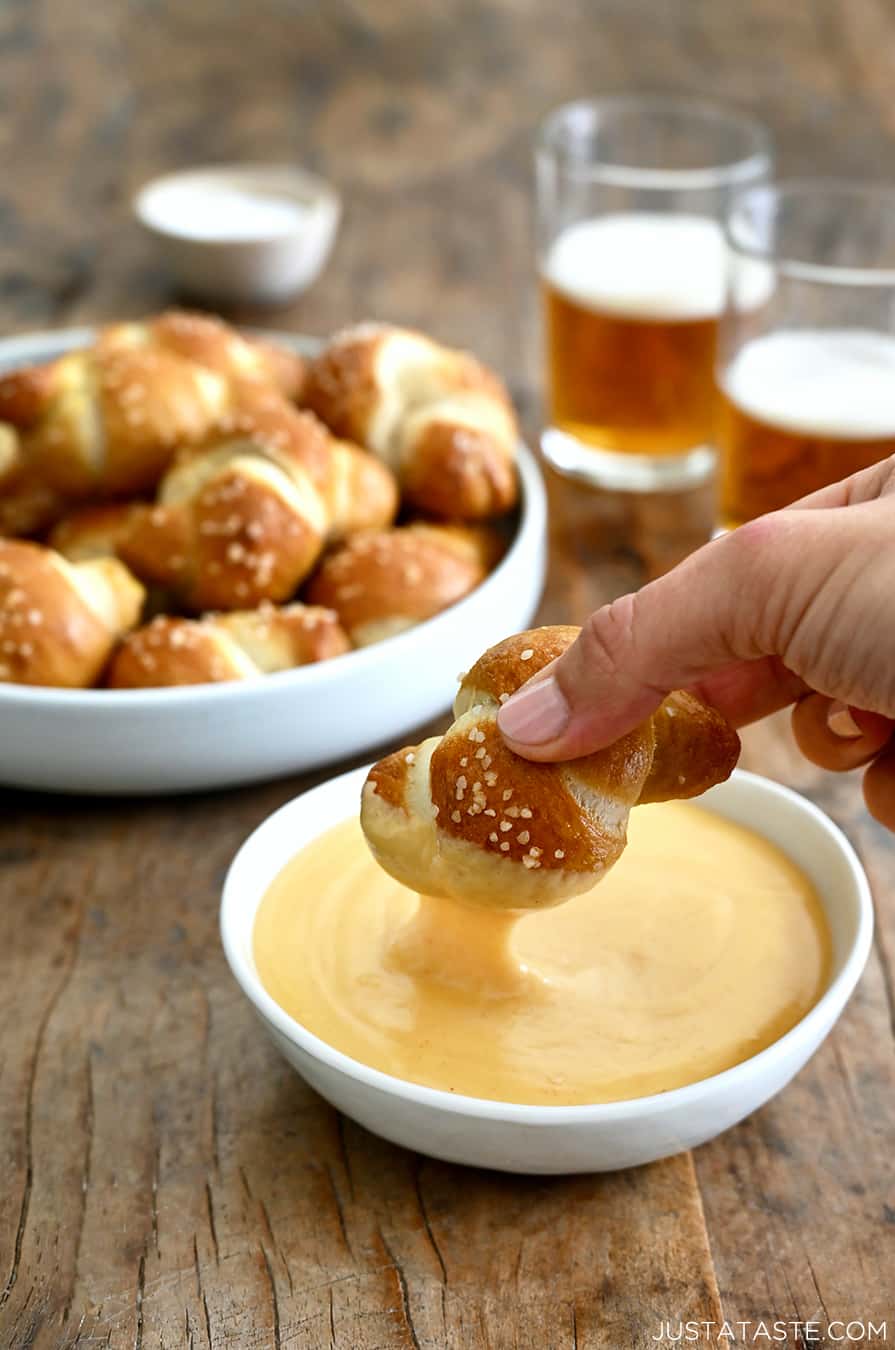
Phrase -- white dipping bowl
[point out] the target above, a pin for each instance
(558, 1139)
(267, 263)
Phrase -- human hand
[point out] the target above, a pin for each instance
(797, 607)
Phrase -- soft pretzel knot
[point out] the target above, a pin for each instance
(108, 419)
(59, 621)
(237, 646)
(463, 817)
(382, 582)
(230, 529)
(441, 420)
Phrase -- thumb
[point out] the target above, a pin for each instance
(715, 608)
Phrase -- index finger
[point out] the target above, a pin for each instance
(864, 486)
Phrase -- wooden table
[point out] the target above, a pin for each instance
(167, 1181)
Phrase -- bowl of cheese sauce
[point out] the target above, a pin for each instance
(636, 1020)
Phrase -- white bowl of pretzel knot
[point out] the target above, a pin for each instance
(225, 558)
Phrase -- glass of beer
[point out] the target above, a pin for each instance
(807, 374)
(632, 192)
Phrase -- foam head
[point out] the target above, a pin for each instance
(837, 383)
(641, 265)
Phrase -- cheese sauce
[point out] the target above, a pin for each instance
(701, 947)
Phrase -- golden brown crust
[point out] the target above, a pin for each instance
(106, 421)
(388, 778)
(693, 743)
(234, 536)
(382, 581)
(27, 505)
(152, 403)
(689, 742)
(292, 436)
(217, 648)
(509, 664)
(111, 420)
(157, 546)
(24, 395)
(361, 492)
(28, 508)
(292, 635)
(520, 810)
(251, 542)
(453, 471)
(95, 531)
(283, 367)
(341, 385)
(171, 651)
(482, 545)
(439, 417)
(210, 342)
(483, 825)
(59, 622)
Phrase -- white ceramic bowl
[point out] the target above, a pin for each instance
(218, 735)
(217, 252)
(557, 1139)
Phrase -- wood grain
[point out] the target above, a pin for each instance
(167, 1180)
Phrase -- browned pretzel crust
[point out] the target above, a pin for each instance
(106, 420)
(231, 528)
(59, 620)
(462, 816)
(382, 582)
(219, 647)
(439, 418)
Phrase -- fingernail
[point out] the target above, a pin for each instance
(841, 722)
(536, 714)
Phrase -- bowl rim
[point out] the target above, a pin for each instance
(830, 1004)
(531, 524)
(325, 204)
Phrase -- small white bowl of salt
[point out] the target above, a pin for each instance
(249, 234)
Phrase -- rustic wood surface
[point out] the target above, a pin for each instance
(166, 1179)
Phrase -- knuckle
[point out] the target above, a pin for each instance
(607, 638)
(887, 476)
(751, 545)
(761, 557)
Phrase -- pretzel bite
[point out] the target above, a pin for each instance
(219, 647)
(59, 621)
(107, 421)
(461, 816)
(231, 529)
(382, 582)
(437, 417)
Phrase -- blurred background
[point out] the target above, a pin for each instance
(422, 115)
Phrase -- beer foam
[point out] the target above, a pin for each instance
(818, 382)
(641, 265)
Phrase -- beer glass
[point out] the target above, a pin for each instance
(807, 375)
(632, 192)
